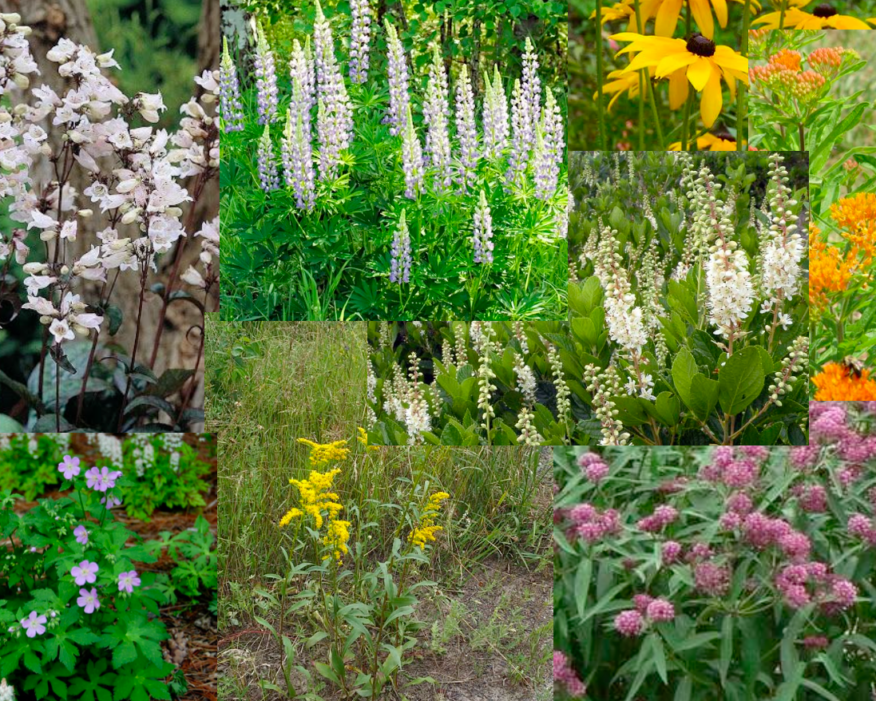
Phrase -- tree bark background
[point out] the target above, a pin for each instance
(50, 21)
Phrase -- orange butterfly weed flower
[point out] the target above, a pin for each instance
(835, 384)
(857, 216)
(829, 271)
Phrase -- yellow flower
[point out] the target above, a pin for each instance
(720, 141)
(697, 61)
(323, 453)
(426, 529)
(666, 14)
(336, 537)
(292, 513)
(823, 16)
(315, 497)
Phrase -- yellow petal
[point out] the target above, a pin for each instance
(672, 63)
(702, 13)
(728, 58)
(712, 100)
(667, 18)
(720, 11)
(846, 22)
(678, 89)
(699, 73)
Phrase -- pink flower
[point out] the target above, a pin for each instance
(583, 513)
(81, 535)
(565, 675)
(671, 551)
(739, 502)
(730, 521)
(795, 545)
(85, 572)
(128, 580)
(813, 498)
(661, 610)
(92, 479)
(629, 623)
(860, 526)
(796, 596)
(815, 642)
(740, 473)
(69, 467)
(722, 456)
(844, 592)
(711, 579)
(591, 532)
(805, 456)
(641, 602)
(34, 624)
(755, 452)
(88, 600)
(596, 471)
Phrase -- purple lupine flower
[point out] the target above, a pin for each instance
(92, 479)
(85, 572)
(522, 131)
(334, 122)
(81, 535)
(266, 78)
(229, 92)
(495, 116)
(297, 153)
(466, 129)
(360, 35)
(531, 86)
(548, 150)
(128, 580)
(412, 159)
(301, 69)
(69, 467)
(400, 268)
(397, 71)
(267, 164)
(482, 235)
(34, 624)
(88, 600)
(436, 112)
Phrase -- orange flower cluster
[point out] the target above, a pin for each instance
(856, 215)
(835, 383)
(783, 72)
(826, 60)
(829, 271)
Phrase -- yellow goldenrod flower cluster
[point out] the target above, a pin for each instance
(323, 453)
(336, 536)
(315, 497)
(426, 529)
(363, 439)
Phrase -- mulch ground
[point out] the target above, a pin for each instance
(192, 627)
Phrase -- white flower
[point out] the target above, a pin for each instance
(193, 277)
(61, 330)
(41, 221)
(41, 306)
(149, 105)
(69, 229)
(7, 693)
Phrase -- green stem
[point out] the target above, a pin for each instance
(599, 76)
(782, 15)
(802, 142)
(685, 130)
(654, 112)
(741, 96)
(643, 78)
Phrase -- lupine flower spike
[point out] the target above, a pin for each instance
(229, 92)
(466, 129)
(360, 35)
(400, 269)
(301, 70)
(436, 112)
(298, 157)
(412, 159)
(334, 126)
(267, 164)
(266, 78)
(482, 235)
(495, 116)
(522, 131)
(548, 150)
(397, 73)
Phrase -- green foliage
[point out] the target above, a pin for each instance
(193, 551)
(694, 384)
(115, 651)
(29, 463)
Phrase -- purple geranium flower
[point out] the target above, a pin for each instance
(108, 478)
(69, 467)
(81, 535)
(111, 502)
(88, 600)
(34, 624)
(92, 478)
(85, 572)
(128, 580)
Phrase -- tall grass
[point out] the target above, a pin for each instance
(270, 384)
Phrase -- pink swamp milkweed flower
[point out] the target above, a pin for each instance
(397, 74)
(629, 623)
(266, 162)
(360, 35)
(670, 552)
(466, 130)
(711, 579)
(565, 675)
(412, 159)
(660, 610)
(230, 107)
(266, 78)
(482, 233)
(593, 467)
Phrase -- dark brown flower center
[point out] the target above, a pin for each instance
(824, 11)
(700, 45)
(723, 135)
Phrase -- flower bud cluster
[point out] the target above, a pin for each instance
(663, 515)
(793, 364)
(603, 385)
(400, 266)
(781, 246)
(802, 584)
(592, 525)
(564, 406)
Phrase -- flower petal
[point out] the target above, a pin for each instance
(672, 63)
(700, 72)
(702, 13)
(678, 89)
(712, 100)
(667, 18)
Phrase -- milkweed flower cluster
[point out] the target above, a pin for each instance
(593, 467)
(231, 108)
(662, 517)
(568, 677)
(266, 77)
(803, 584)
(592, 525)
(424, 531)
